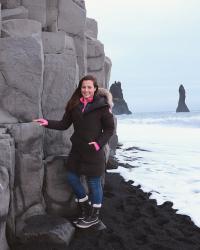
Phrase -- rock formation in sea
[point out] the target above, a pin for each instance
(182, 107)
(120, 106)
(45, 48)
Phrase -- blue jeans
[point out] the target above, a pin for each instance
(94, 184)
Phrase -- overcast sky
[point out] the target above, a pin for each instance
(154, 46)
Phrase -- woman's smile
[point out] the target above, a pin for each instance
(87, 89)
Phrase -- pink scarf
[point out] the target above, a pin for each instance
(85, 101)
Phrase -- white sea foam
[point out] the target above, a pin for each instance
(170, 166)
(164, 119)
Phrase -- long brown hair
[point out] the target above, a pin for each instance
(75, 99)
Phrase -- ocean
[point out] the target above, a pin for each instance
(161, 152)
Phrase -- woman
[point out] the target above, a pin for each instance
(89, 112)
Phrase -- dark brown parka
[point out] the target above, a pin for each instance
(96, 124)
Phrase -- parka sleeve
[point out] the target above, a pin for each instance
(63, 124)
(108, 127)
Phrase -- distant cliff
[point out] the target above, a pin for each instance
(120, 106)
(182, 107)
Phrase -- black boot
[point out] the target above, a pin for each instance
(84, 208)
(90, 220)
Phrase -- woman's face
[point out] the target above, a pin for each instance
(87, 89)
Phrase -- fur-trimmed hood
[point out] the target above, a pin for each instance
(106, 93)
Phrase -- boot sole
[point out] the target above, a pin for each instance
(77, 220)
(89, 225)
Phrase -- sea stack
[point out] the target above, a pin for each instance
(120, 106)
(182, 107)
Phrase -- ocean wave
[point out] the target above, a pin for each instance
(163, 119)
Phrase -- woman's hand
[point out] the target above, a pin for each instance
(96, 146)
(41, 121)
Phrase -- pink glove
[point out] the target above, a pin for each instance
(96, 145)
(41, 121)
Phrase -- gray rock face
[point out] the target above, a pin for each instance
(17, 13)
(91, 28)
(107, 70)
(54, 42)
(80, 3)
(57, 193)
(81, 53)
(2, 3)
(7, 164)
(21, 73)
(95, 55)
(96, 60)
(113, 140)
(0, 19)
(120, 106)
(60, 76)
(28, 166)
(39, 71)
(36, 209)
(10, 4)
(52, 15)
(182, 107)
(36, 9)
(72, 20)
(47, 229)
(72, 17)
(5, 117)
(112, 162)
(20, 28)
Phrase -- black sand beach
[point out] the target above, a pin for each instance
(134, 222)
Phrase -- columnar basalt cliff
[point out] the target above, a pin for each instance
(182, 107)
(120, 106)
(45, 47)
